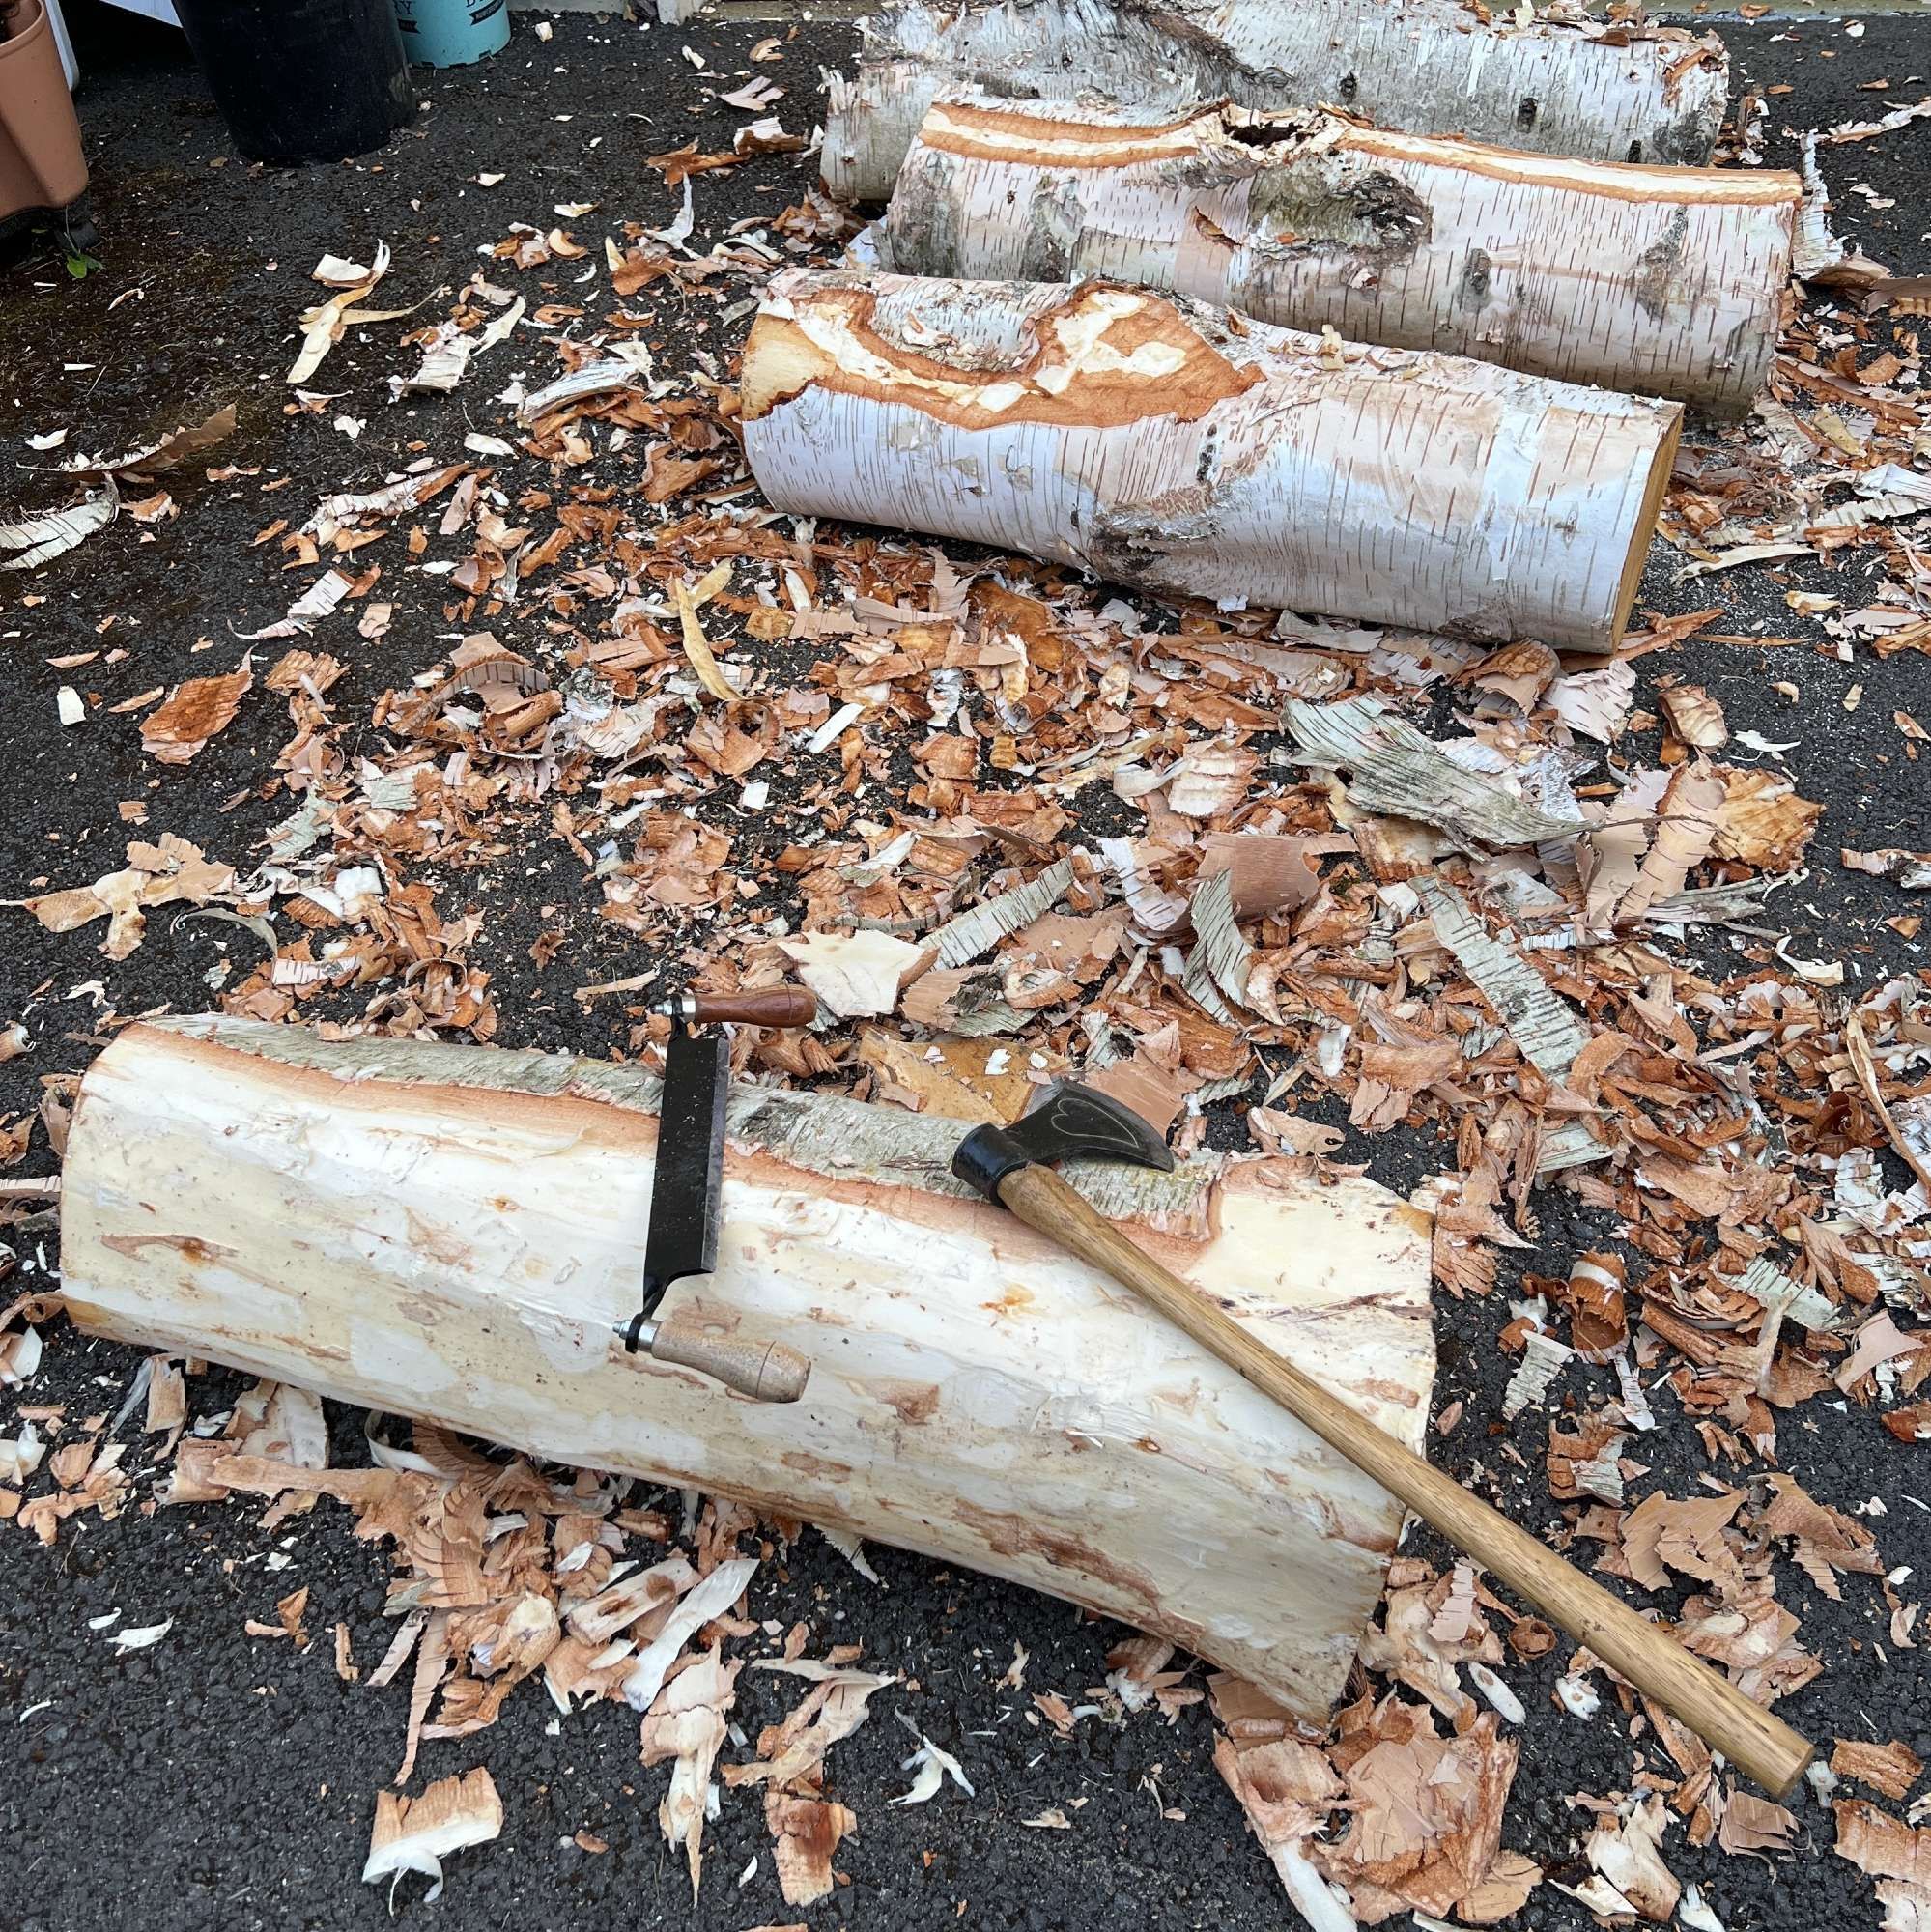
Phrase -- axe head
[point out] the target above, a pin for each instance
(1069, 1122)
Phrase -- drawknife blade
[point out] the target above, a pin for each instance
(684, 1187)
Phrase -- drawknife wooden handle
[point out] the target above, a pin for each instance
(1761, 1746)
(770, 1007)
(764, 1371)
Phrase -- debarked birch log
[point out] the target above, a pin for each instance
(452, 1233)
(1603, 91)
(1667, 281)
(1162, 442)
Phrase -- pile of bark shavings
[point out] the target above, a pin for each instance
(497, 709)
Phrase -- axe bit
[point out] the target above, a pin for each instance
(1014, 1167)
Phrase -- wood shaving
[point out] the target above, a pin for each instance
(418, 1833)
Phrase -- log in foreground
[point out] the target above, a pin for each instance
(1555, 87)
(1158, 442)
(452, 1232)
(1666, 281)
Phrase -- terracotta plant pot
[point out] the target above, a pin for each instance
(42, 164)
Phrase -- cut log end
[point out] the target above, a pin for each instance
(1661, 462)
(780, 361)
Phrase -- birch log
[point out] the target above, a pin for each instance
(1159, 441)
(1606, 93)
(1666, 281)
(452, 1233)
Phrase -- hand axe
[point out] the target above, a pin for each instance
(1014, 1167)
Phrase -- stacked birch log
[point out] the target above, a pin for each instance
(1379, 309)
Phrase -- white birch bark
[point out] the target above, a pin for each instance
(1666, 281)
(452, 1233)
(1161, 442)
(1552, 86)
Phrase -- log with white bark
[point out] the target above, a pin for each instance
(1606, 93)
(1162, 442)
(452, 1233)
(1667, 281)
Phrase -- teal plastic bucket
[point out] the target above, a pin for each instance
(452, 32)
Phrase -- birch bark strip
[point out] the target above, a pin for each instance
(1539, 1020)
(1162, 442)
(1666, 281)
(452, 1233)
(1396, 770)
(1550, 86)
(962, 938)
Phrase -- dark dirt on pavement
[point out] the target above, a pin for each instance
(219, 1779)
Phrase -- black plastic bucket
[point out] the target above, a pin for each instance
(302, 80)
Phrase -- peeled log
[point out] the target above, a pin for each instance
(1667, 281)
(1162, 442)
(453, 1231)
(1606, 93)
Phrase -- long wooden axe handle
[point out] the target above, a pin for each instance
(1761, 1746)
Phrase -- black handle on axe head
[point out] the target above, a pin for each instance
(1013, 1167)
